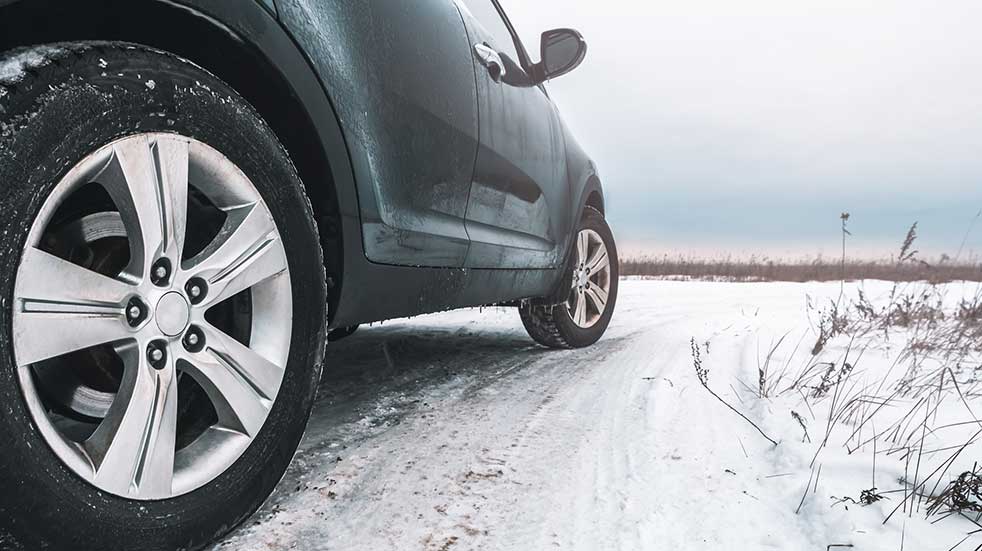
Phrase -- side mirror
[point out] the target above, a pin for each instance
(562, 51)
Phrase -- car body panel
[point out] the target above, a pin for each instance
(402, 81)
(270, 5)
(362, 290)
(519, 210)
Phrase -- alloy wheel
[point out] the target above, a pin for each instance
(591, 280)
(152, 316)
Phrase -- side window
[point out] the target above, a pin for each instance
(487, 15)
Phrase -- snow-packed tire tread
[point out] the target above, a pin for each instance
(541, 324)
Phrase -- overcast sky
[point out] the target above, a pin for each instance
(742, 127)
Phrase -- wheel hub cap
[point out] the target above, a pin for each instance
(173, 314)
(582, 278)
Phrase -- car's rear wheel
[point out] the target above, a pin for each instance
(589, 303)
(163, 292)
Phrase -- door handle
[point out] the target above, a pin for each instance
(491, 60)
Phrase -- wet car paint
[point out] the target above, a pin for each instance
(402, 81)
(363, 288)
(519, 209)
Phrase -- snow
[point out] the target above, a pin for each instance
(14, 66)
(454, 431)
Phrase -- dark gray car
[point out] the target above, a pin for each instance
(198, 194)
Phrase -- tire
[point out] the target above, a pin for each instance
(554, 326)
(58, 105)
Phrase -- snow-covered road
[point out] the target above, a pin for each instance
(453, 431)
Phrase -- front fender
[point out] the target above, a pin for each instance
(586, 191)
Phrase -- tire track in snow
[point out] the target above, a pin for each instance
(460, 434)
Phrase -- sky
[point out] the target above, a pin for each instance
(747, 128)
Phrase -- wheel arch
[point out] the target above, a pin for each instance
(591, 193)
(243, 45)
(588, 193)
(595, 196)
(583, 178)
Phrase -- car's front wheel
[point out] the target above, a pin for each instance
(583, 317)
(163, 294)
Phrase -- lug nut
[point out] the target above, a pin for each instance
(196, 289)
(157, 354)
(194, 340)
(136, 312)
(160, 272)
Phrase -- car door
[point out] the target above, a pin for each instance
(400, 76)
(518, 210)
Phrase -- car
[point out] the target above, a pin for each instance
(197, 195)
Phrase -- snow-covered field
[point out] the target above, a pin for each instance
(453, 431)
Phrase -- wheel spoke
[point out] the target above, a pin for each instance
(148, 181)
(599, 261)
(62, 307)
(133, 449)
(242, 256)
(598, 297)
(579, 316)
(582, 247)
(241, 383)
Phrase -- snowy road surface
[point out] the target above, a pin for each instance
(453, 431)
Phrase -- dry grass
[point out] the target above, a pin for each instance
(939, 349)
(820, 269)
(703, 373)
(894, 413)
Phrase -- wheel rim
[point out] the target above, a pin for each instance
(192, 317)
(590, 292)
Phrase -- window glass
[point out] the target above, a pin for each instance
(518, 15)
(487, 15)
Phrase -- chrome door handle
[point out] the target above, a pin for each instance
(491, 59)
